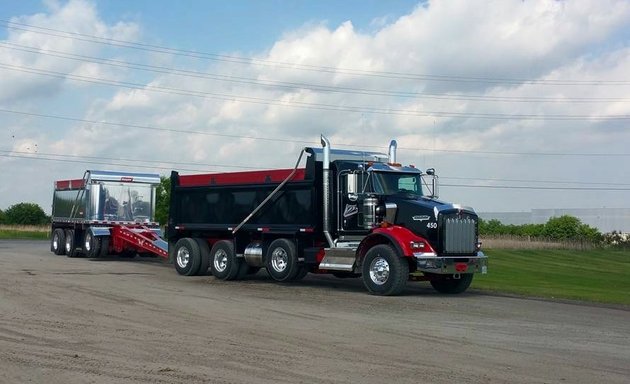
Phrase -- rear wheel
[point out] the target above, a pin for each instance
(384, 272)
(223, 261)
(187, 257)
(91, 245)
(302, 272)
(71, 249)
(448, 284)
(58, 242)
(104, 246)
(204, 250)
(281, 262)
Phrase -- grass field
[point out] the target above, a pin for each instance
(595, 275)
(24, 232)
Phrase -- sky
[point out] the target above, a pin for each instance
(518, 105)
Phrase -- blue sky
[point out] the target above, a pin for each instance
(230, 26)
(518, 104)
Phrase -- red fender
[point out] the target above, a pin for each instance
(400, 237)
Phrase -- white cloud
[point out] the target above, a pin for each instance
(544, 41)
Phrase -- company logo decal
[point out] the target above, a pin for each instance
(421, 218)
(350, 210)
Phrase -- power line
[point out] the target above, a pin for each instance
(204, 133)
(306, 67)
(94, 160)
(309, 86)
(306, 105)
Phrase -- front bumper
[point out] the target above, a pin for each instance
(431, 263)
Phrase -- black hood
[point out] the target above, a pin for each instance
(424, 216)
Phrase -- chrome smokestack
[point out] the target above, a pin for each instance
(392, 151)
(326, 190)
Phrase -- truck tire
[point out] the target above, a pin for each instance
(71, 248)
(302, 272)
(384, 272)
(187, 257)
(91, 245)
(450, 285)
(281, 260)
(104, 246)
(223, 261)
(204, 250)
(58, 242)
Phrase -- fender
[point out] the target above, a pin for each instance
(404, 241)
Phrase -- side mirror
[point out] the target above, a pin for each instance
(432, 184)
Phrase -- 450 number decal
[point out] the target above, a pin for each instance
(432, 225)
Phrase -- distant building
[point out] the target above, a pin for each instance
(604, 219)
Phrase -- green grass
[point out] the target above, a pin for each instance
(34, 232)
(597, 275)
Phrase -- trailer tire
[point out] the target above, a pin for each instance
(281, 261)
(71, 248)
(187, 257)
(204, 252)
(452, 286)
(58, 242)
(92, 245)
(223, 261)
(384, 272)
(104, 246)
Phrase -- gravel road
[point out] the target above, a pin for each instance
(136, 321)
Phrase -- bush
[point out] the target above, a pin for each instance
(1, 216)
(25, 214)
(557, 228)
(163, 197)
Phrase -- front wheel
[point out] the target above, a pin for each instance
(384, 272)
(448, 284)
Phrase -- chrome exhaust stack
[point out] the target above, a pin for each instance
(326, 190)
(392, 152)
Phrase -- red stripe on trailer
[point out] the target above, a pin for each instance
(69, 184)
(253, 177)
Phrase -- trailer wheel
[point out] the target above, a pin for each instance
(448, 284)
(58, 242)
(104, 246)
(187, 257)
(281, 261)
(91, 245)
(71, 248)
(223, 261)
(204, 252)
(384, 272)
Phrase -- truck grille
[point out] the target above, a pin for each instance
(460, 235)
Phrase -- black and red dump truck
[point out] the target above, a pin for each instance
(346, 213)
(106, 213)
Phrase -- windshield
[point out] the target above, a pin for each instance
(390, 183)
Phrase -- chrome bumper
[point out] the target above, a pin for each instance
(430, 262)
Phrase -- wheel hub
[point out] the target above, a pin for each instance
(279, 259)
(379, 271)
(220, 260)
(183, 256)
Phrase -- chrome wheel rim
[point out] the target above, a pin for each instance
(88, 242)
(379, 271)
(68, 245)
(220, 260)
(56, 241)
(279, 259)
(183, 256)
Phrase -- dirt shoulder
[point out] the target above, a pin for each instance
(136, 321)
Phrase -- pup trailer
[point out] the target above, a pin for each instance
(106, 213)
(347, 213)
